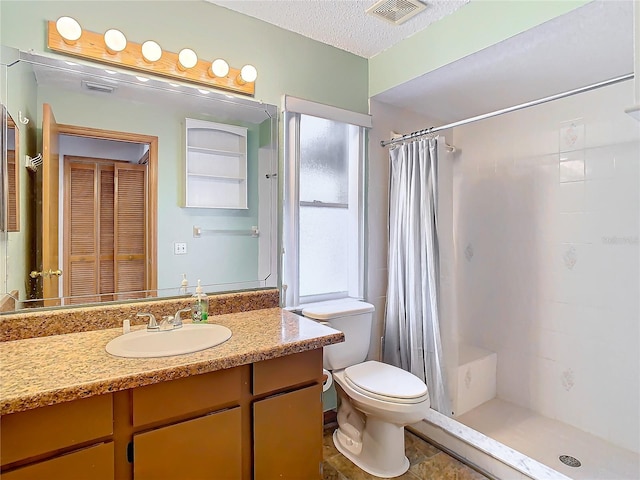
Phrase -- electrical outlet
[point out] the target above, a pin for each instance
(179, 248)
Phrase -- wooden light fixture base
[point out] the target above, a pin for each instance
(91, 46)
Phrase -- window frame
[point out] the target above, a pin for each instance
(293, 110)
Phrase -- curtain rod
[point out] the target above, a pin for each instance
(532, 103)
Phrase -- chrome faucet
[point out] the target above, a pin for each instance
(168, 322)
(153, 325)
(177, 319)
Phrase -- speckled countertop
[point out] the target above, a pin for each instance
(47, 370)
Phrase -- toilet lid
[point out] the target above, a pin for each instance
(382, 380)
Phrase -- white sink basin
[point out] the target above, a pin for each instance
(188, 339)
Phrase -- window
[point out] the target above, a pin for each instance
(323, 222)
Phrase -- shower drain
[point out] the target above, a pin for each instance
(570, 461)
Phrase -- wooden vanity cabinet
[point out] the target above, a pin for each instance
(190, 428)
(287, 435)
(287, 417)
(187, 397)
(73, 436)
(260, 421)
(94, 462)
(205, 447)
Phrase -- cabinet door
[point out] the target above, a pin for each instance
(95, 463)
(204, 448)
(288, 435)
(48, 429)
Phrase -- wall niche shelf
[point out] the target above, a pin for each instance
(216, 165)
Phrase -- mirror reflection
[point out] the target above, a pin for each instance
(137, 187)
(13, 176)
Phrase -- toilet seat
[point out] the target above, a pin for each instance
(386, 382)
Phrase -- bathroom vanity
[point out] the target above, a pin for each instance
(249, 408)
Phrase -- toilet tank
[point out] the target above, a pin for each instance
(351, 317)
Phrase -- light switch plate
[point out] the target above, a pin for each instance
(179, 248)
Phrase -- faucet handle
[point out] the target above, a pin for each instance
(153, 325)
(167, 323)
(177, 321)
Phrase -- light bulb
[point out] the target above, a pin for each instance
(187, 58)
(248, 73)
(69, 29)
(115, 41)
(151, 51)
(219, 68)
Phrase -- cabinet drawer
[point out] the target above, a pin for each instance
(95, 463)
(283, 372)
(209, 447)
(46, 429)
(177, 398)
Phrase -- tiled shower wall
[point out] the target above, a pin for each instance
(546, 225)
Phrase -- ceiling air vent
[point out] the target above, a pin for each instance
(396, 11)
(98, 87)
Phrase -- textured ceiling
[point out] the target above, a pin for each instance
(341, 23)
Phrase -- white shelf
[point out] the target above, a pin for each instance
(218, 177)
(214, 151)
(215, 165)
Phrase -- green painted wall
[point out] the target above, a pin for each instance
(21, 98)
(286, 62)
(477, 25)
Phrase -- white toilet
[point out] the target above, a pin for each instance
(376, 400)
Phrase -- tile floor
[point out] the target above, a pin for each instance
(427, 462)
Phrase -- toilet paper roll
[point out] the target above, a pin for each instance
(328, 382)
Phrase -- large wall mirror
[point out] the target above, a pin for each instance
(130, 185)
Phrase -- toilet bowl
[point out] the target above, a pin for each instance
(376, 400)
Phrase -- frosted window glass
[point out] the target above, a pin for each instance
(324, 160)
(323, 250)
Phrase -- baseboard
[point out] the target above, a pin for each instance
(330, 417)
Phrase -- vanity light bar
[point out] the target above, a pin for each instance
(92, 46)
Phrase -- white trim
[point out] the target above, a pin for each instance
(290, 232)
(290, 293)
(298, 105)
(483, 451)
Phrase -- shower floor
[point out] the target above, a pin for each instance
(544, 440)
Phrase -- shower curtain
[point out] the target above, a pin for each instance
(412, 329)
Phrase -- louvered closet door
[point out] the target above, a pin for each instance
(81, 227)
(105, 219)
(130, 244)
(106, 207)
(13, 217)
